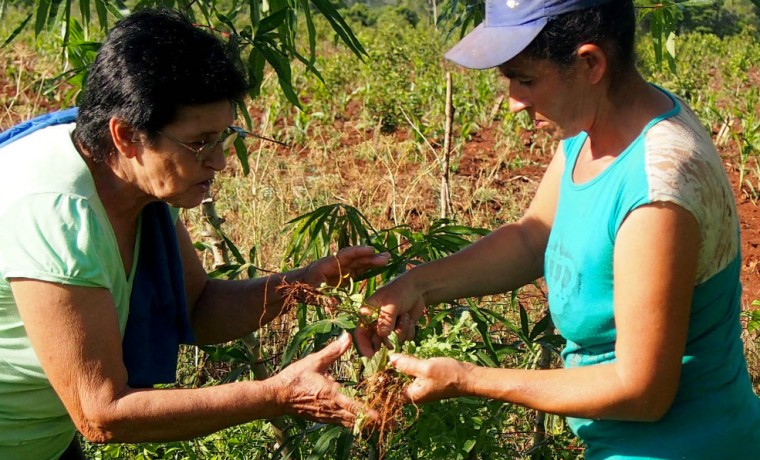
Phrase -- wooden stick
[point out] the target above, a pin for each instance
(445, 190)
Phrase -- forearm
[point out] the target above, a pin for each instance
(505, 260)
(227, 310)
(145, 415)
(595, 392)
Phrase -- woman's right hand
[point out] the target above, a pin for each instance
(398, 306)
(305, 388)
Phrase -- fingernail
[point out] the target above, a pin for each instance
(345, 337)
(393, 358)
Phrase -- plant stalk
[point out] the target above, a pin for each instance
(445, 180)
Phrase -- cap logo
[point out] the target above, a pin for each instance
(512, 4)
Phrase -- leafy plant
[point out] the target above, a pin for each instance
(259, 32)
(753, 317)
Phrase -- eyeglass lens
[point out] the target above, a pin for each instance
(225, 141)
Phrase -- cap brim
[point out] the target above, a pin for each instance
(487, 47)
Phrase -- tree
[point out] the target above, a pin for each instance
(260, 32)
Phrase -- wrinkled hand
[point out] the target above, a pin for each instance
(352, 261)
(398, 306)
(435, 378)
(306, 389)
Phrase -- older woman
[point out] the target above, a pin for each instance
(634, 228)
(87, 226)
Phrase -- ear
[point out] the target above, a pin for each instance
(594, 61)
(125, 137)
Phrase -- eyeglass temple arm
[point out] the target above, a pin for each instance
(244, 133)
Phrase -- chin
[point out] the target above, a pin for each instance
(184, 202)
(559, 134)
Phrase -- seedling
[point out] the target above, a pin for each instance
(381, 390)
(381, 386)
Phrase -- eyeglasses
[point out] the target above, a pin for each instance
(225, 140)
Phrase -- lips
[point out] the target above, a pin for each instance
(206, 185)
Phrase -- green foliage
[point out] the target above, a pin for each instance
(456, 428)
(409, 247)
(450, 429)
(314, 232)
(258, 32)
(753, 318)
(359, 13)
(722, 18)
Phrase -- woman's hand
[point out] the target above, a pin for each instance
(306, 389)
(348, 262)
(435, 378)
(398, 306)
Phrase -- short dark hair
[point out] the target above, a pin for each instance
(153, 62)
(611, 25)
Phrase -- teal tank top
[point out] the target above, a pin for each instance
(716, 414)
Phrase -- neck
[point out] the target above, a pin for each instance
(622, 115)
(122, 200)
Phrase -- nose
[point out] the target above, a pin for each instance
(517, 105)
(517, 100)
(217, 160)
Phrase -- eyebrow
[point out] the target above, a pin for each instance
(512, 73)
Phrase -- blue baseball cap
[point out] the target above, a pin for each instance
(509, 27)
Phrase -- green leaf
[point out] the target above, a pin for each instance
(43, 11)
(344, 445)
(524, 326)
(656, 32)
(540, 327)
(256, 63)
(484, 328)
(281, 66)
(340, 27)
(231, 246)
(242, 154)
(254, 12)
(102, 12)
(271, 22)
(224, 19)
(299, 340)
(753, 323)
(18, 30)
(688, 3)
(312, 31)
(323, 443)
(670, 48)
(377, 363)
(252, 258)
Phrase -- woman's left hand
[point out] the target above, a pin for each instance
(435, 378)
(349, 262)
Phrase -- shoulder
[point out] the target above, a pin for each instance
(43, 162)
(56, 237)
(681, 159)
(683, 167)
